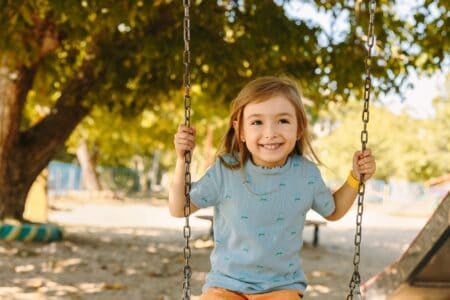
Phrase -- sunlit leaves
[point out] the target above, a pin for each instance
(137, 46)
(404, 147)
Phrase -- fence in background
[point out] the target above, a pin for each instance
(65, 177)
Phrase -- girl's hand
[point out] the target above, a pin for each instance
(363, 163)
(184, 140)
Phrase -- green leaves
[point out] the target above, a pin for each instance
(404, 147)
(137, 47)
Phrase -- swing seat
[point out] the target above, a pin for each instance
(423, 271)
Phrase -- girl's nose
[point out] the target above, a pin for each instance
(269, 132)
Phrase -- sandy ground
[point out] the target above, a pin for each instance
(134, 250)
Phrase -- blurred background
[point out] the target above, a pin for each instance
(91, 94)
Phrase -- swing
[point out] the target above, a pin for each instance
(355, 281)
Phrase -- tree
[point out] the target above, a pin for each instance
(405, 148)
(436, 159)
(391, 138)
(66, 58)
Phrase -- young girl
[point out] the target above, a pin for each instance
(261, 187)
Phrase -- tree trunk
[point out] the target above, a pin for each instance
(139, 167)
(23, 155)
(89, 176)
(154, 170)
(14, 85)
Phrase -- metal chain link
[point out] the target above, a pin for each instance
(355, 281)
(187, 157)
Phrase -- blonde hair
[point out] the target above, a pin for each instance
(256, 91)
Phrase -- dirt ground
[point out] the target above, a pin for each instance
(130, 249)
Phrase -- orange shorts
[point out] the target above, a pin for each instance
(215, 293)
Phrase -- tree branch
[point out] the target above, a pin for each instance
(41, 142)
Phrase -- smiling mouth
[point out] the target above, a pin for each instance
(271, 146)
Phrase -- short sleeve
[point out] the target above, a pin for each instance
(323, 202)
(206, 191)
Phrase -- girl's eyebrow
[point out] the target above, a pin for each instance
(284, 114)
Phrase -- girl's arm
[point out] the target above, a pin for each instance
(184, 140)
(363, 163)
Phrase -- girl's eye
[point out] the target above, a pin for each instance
(284, 121)
(256, 122)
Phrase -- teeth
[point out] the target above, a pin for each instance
(271, 146)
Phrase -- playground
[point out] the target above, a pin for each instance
(132, 249)
(103, 104)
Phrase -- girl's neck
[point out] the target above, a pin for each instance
(270, 167)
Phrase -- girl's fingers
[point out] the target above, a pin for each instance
(369, 169)
(183, 135)
(186, 132)
(366, 166)
(365, 163)
(365, 160)
(364, 154)
(184, 139)
(184, 128)
(187, 136)
(184, 143)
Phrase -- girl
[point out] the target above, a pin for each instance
(261, 187)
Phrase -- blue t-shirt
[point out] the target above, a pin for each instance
(259, 215)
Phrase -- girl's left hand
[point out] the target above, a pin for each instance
(363, 163)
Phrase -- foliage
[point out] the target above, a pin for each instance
(404, 147)
(137, 47)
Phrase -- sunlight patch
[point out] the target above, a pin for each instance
(24, 268)
(318, 289)
(8, 291)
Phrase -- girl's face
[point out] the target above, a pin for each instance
(269, 130)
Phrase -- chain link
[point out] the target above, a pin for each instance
(355, 282)
(187, 271)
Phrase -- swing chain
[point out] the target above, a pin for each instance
(187, 156)
(356, 278)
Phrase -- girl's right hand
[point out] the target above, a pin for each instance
(184, 140)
